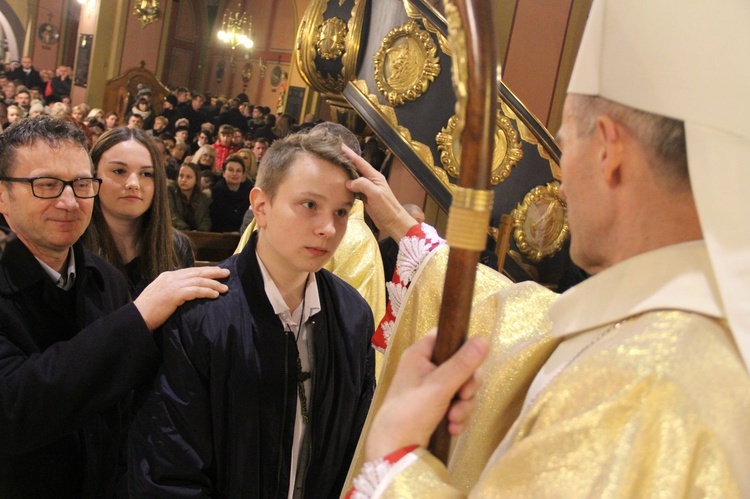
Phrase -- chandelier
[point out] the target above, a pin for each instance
(233, 30)
(147, 11)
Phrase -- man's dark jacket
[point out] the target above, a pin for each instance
(68, 364)
(220, 420)
(228, 206)
(30, 80)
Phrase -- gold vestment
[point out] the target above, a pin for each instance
(654, 404)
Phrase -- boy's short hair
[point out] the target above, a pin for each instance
(283, 153)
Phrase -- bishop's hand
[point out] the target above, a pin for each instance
(421, 393)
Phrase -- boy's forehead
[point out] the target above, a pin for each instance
(309, 172)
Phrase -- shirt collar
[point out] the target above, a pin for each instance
(64, 283)
(291, 319)
(677, 277)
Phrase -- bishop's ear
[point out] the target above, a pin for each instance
(610, 136)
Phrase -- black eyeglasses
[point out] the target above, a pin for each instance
(51, 187)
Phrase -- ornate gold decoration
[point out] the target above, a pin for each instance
(331, 38)
(309, 35)
(388, 114)
(528, 136)
(406, 63)
(147, 11)
(508, 151)
(540, 222)
(414, 13)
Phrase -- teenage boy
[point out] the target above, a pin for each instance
(264, 392)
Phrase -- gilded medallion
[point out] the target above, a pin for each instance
(406, 63)
(331, 38)
(507, 154)
(540, 222)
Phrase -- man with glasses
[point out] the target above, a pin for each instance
(72, 346)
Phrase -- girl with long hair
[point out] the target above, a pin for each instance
(131, 225)
(187, 202)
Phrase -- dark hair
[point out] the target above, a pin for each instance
(189, 205)
(53, 132)
(158, 252)
(233, 158)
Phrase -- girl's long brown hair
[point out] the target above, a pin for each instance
(157, 235)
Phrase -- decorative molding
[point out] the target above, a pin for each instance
(406, 63)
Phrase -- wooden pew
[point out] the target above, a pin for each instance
(212, 247)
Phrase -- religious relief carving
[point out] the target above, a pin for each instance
(328, 44)
(406, 63)
(507, 154)
(540, 222)
(331, 38)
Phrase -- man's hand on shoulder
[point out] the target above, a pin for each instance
(171, 289)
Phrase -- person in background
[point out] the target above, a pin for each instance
(223, 146)
(230, 197)
(131, 226)
(159, 127)
(251, 164)
(26, 73)
(179, 152)
(169, 110)
(260, 146)
(23, 100)
(204, 138)
(142, 108)
(188, 204)
(208, 180)
(238, 139)
(95, 113)
(135, 121)
(36, 109)
(111, 120)
(59, 110)
(204, 157)
(77, 113)
(14, 114)
(182, 132)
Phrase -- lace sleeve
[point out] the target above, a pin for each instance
(413, 249)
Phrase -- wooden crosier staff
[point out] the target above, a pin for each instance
(474, 49)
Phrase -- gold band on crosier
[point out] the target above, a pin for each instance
(469, 218)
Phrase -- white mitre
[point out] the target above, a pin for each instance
(688, 60)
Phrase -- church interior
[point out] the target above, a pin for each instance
(380, 67)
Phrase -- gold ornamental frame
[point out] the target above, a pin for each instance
(508, 149)
(406, 63)
(331, 40)
(306, 51)
(540, 222)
